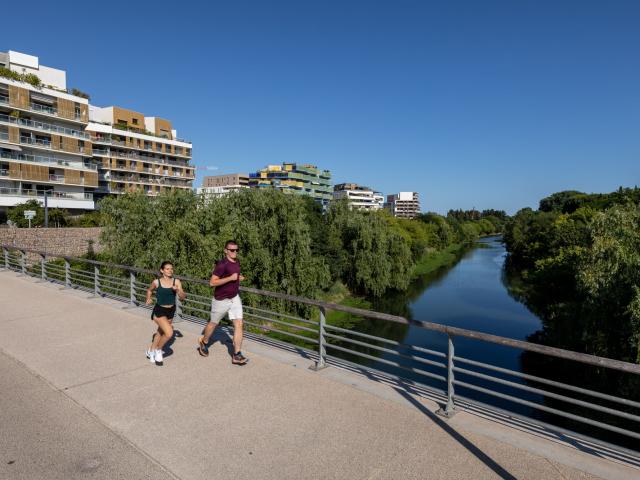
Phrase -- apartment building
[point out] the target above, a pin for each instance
(295, 178)
(218, 185)
(136, 152)
(358, 196)
(44, 148)
(403, 204)
(55, 142)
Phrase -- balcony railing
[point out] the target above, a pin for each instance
(16, 192)
(36, 141)
(22, 157)
(43, 109)
(43, 126)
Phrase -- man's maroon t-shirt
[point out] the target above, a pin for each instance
(225, 268)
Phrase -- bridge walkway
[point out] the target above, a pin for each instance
(78, 399)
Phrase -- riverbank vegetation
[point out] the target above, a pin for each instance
(288, 243)
(577, 265)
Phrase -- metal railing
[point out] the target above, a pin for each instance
(17, 192)
(305, 323)
(48, 127)
(23, 157)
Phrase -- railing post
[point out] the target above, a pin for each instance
(322, 352)
(96, 280)
(5, 252)
(43, 267)
(450, 409)
(132, 287)
(23, 262)
(67, 273)
(178, 307)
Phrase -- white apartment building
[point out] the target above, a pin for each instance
(403, 204)
(52, 141)
(43, 144)
(358, 196)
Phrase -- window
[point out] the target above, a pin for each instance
(134, 121)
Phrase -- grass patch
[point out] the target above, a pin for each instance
(432, 261)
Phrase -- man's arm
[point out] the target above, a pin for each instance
(216, 281)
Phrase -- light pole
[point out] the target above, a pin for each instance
(46, 211)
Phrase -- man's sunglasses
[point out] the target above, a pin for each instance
(233, 249)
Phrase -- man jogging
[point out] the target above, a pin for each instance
(226, 282)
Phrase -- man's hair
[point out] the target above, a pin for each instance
(230, 242)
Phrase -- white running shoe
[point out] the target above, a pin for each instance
(158, 356)
(151, 355)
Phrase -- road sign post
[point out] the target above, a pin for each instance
(29, 215)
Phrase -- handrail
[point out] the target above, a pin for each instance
(454, 331)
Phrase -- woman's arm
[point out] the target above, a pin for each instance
(152, 287)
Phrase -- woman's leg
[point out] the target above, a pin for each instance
(165, 332)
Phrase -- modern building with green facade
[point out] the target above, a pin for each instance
(295, 178)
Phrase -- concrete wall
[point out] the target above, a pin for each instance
(57, 241)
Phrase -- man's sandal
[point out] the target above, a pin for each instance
(239, 359)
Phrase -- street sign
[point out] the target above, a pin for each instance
(29, 214)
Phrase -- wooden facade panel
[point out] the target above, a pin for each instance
(84, 112)
(91, 179)
(34, 172)
(72, 176)
(66, 108)
(129, 117)
(14, 170)
(163, 127)
(14, 135)
(56, 142)
(18, 97)
(69, 144)
(88, 148)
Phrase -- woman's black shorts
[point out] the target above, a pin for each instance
(160, 311)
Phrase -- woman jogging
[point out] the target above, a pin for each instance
(164, 310)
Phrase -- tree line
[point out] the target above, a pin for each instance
(577, 261)
(288, 243)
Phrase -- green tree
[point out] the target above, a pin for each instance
(16, 214)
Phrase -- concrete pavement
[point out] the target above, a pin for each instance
(77, 388)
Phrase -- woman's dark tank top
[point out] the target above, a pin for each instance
(166, 296)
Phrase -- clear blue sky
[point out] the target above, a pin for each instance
(485, 104)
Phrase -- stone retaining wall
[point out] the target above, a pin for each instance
(56, 241)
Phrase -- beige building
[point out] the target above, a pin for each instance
(135, 152)
(218, 185)
(44, 147)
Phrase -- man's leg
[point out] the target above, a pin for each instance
(208, 331)
(218, 311)
(237, 335)
(235, 314)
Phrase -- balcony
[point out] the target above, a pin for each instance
(36, 141)
(17, 192)
(22, 157)
(43, 126)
